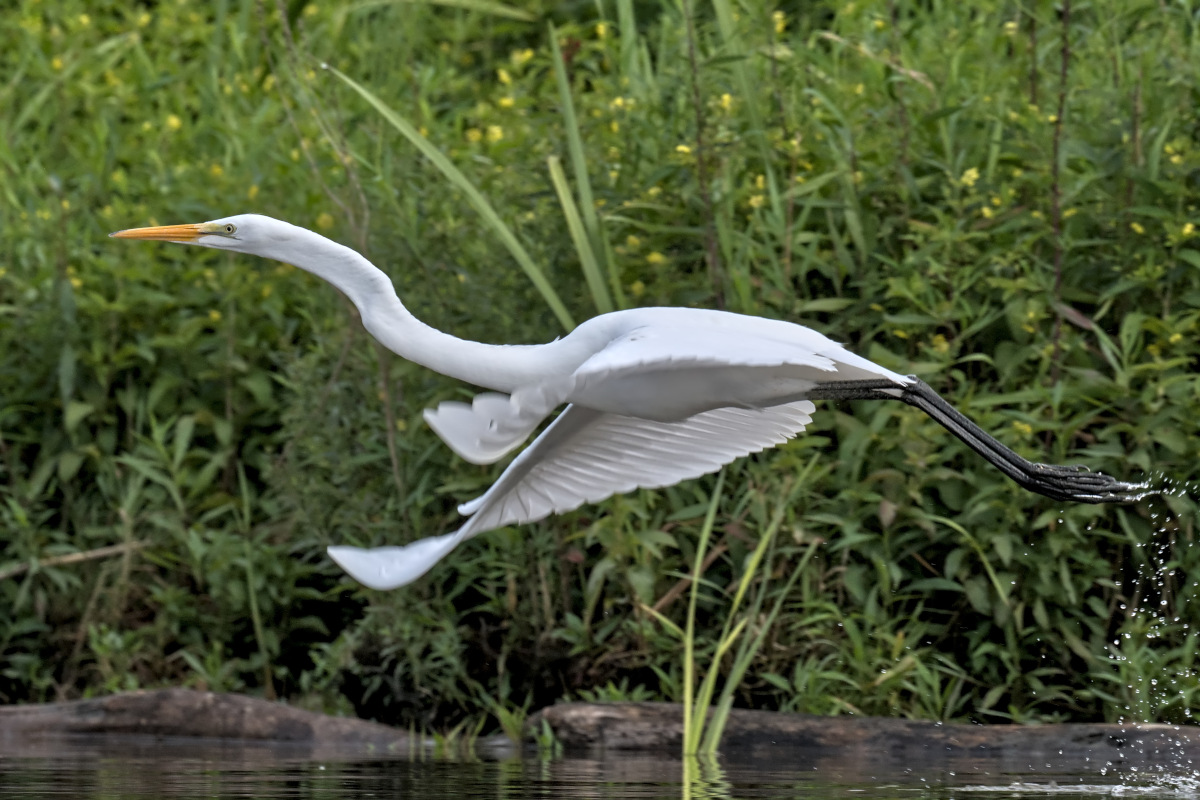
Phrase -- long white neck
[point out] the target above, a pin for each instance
(499, 367)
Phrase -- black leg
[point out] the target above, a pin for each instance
(1074, 483)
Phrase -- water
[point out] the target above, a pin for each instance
(144, 767)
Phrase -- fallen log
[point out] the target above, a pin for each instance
(658, 727)
(189, 713)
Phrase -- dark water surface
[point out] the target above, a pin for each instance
(142, 767)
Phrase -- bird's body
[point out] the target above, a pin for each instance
(654, 396)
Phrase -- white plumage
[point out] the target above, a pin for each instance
(654, 396)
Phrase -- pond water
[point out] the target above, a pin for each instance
(143, 767)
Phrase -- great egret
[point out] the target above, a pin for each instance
(654, 396)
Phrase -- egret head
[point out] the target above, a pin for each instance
(243, 233)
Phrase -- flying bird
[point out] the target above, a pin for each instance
(653, 396)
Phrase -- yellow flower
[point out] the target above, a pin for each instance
(683, 150)
(84, 20)
(996, 201)
(617, 103)
(757, 201)
(987, 212)
(655, 259)
(214, 315)
(143, 19)
(173, 122)
(506, 102)
(503, 76)
(1070, 212)
(324, 221)
(252, 192)
(1052, 118)
(601, 30)
(76, 283)
(1023, 428)
(899, 334)
(1188, 229)
(494, 133)
(779, 19)
(1137, 228)
(940, 345)
(637, 288)
(310, 9)
(216, 170)
(880, 24)
(1175, 338)
(1010, 28)
(295, 154)
(726, 101)
(969, 177)
(521, 57)
(1177, 159)
(56, 63)
(858, 88)
(66, 204)
(614, 126)
(654, 191)
(474, 135)
(633, 242)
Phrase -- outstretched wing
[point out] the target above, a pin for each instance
(585, 456)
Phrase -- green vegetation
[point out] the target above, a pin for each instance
(947, 187)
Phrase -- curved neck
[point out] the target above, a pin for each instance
(498, 367)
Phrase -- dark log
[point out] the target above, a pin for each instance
(764, 734)
(188, 713)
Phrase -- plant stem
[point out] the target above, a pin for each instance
(710, 234)
(1056, 183)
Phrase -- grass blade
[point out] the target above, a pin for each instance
(583, 247)
(474, 196)
(587, 201)
(580, 236)
(693, 727)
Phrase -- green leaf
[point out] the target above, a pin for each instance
(69, 464)
(76, 412)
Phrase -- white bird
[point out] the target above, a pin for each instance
(654, 396)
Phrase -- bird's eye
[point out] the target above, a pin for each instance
(230, 230)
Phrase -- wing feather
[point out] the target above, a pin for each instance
(585, 456)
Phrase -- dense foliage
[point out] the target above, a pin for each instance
(998, 196)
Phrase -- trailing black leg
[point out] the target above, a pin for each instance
(1075, 483)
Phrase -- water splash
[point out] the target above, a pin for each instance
(1186, 787)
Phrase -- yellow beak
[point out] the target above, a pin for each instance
(163, 233)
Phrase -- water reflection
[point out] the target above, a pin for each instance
(143, 767)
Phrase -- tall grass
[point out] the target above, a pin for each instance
(181, 433)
